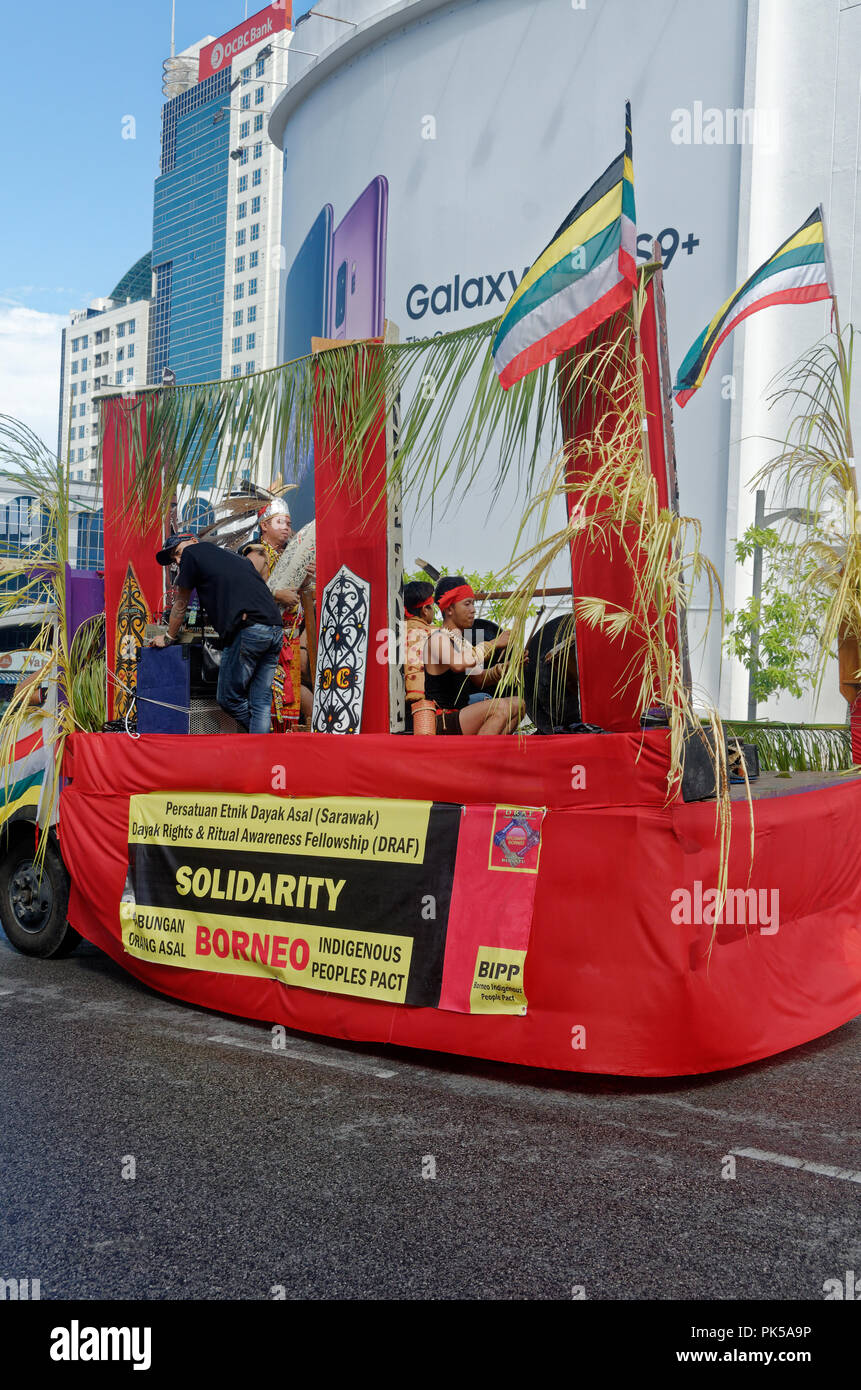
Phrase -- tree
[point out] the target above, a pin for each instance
(788, 618)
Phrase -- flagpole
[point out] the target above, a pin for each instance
(670, 450)
(843, 371)
(841, 353)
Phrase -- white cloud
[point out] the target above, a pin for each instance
(30, 367)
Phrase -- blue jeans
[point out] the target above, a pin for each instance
(246, 674)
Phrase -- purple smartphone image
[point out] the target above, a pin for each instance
(357, 298)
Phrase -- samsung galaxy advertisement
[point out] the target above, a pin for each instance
(426, 170)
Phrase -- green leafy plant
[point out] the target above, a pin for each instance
(87, 685)
(815, 466)
(776, 636)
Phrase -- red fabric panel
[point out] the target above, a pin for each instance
(126, 542)
(604, 954)
(487, 908)
(603, 664)
(607, 695)
(509, 771)
(855, 730)
(352, 530)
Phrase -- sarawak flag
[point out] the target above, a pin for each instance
(580, 279)
(799, 272)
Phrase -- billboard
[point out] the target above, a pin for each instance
(415, 190)
(271, 20)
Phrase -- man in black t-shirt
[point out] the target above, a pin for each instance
(245, 616)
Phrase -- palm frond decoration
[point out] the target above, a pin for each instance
(186, 434)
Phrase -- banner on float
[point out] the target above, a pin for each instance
(405, 902)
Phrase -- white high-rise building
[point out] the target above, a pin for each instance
(103, 348)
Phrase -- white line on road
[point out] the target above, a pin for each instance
(825, 1170)
(301, 1057)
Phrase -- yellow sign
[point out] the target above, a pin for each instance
(497, 983)
(392, 832)
(341, 962)
(358, 896)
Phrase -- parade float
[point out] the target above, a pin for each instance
(596, 898)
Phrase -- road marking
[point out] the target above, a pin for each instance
(825, 1170)
(301, 1057)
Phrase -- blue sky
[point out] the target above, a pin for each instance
(78, 210)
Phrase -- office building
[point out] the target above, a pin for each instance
(104, 347)
(217, 206)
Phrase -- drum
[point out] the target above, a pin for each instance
(552, 688)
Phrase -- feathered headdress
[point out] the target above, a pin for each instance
(238, 515)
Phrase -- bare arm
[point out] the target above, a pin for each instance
(487, 680)
(177, 613)
(442, 654)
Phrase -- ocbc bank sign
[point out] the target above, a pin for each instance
(261, 26)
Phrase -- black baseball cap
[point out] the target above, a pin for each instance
(166, 554)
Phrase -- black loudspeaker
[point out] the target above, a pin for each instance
(164, 703)
(163, 690)
(698, 776)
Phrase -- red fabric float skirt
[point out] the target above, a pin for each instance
(618, 975)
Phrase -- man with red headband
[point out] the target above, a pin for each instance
(455, 669)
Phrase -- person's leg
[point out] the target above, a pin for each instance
(232, 690)
(264, 644)
(492, 716)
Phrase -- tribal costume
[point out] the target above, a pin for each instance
(417, 633)
(287, 684)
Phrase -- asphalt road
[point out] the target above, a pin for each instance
(299, 1172)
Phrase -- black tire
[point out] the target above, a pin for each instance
(34, 897)
(552, 689)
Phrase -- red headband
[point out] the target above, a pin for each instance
(455, 595)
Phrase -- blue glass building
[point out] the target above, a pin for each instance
(189, 234)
